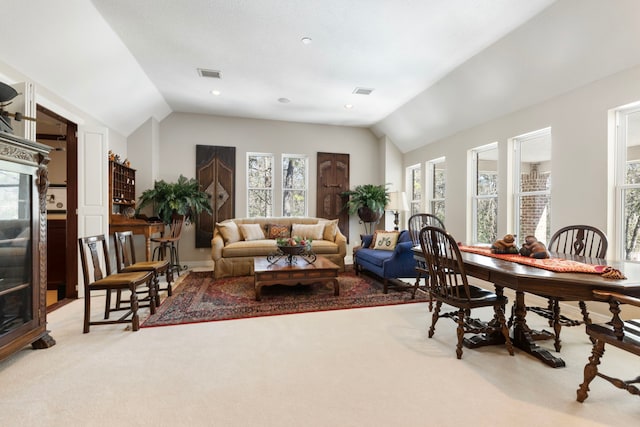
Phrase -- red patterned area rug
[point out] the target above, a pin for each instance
(200, 298)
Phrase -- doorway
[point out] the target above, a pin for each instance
(62, 222)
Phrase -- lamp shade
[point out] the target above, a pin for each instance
(397, 201)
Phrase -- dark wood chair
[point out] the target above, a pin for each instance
(582, 240)
(96, 271)
(448, 284)
(169, 244)
(416, 223)
(624, 334)
(126, 263)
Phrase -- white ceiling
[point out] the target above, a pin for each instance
(436, 66)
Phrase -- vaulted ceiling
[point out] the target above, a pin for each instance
(434, 67)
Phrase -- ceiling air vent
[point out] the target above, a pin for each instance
(362, 91)
(213, 74)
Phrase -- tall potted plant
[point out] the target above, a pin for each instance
(183, 197)
(368, 201)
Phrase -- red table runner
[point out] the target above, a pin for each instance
(560, 265)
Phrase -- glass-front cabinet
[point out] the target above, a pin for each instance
(23, 186)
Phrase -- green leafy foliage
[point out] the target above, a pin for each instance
(375, 197)
(183, 197)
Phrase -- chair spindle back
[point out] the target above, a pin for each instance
(446, 269)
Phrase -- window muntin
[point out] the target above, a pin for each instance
(414, 174)
(437, 170)
(259, 184)
(628, 182)
(294, 184)
(532, 192)
(485, 194)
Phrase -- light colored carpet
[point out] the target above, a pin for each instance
(359, 367)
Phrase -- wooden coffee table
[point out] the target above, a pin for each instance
(298, 273)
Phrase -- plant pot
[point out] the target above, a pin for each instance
(366, 214)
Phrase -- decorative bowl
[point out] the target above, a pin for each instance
(292, 250)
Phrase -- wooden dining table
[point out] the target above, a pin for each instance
(528, 279)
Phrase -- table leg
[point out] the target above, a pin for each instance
(523, 339)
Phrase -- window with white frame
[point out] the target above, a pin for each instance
(436, 176)
(259, 184)
(532, 185)
(628, 181)
(485, 193)
(414, 175)
(294, 184)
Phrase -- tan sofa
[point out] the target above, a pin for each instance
(233, 252)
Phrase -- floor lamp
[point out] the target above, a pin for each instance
(397, 203)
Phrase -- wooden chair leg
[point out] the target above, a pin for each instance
(386, 285)
(503, 327)
(107, 303)
(460, 333)
(87, 312)
(153, 294)
(590, 370)
(135, 319)
(550, 305)
(434, 318)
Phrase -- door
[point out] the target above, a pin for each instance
(333, 179)
(93, 189)
(215, 171)
(62, 262)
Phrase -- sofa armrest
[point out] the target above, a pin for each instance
(217, 243)
(401, 263)
(366, 240)
(341, 241)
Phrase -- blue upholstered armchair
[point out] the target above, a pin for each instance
(395, 264)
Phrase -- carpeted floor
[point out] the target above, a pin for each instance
(200, 298)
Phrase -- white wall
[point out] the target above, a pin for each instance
(180, 133)
(144, 153)
(581, 188)
(394, 176)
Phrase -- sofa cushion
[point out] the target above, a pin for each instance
(230, 232)
(372, 256)
(323, 247)
(251, 232)
(251, 248)
(275, 231)
(308, 231)
(385, 240)
(330, 229)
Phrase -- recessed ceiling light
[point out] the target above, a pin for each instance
(306, 40)
(284, 100)
(348, 106)
(215, 92)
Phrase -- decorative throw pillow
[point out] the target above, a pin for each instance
(229, 231)
(385, 240)
(330, 229)
(307, 231)
(251, 231)
(275, 231)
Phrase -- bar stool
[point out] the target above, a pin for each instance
(126, 263)
(169, 244)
